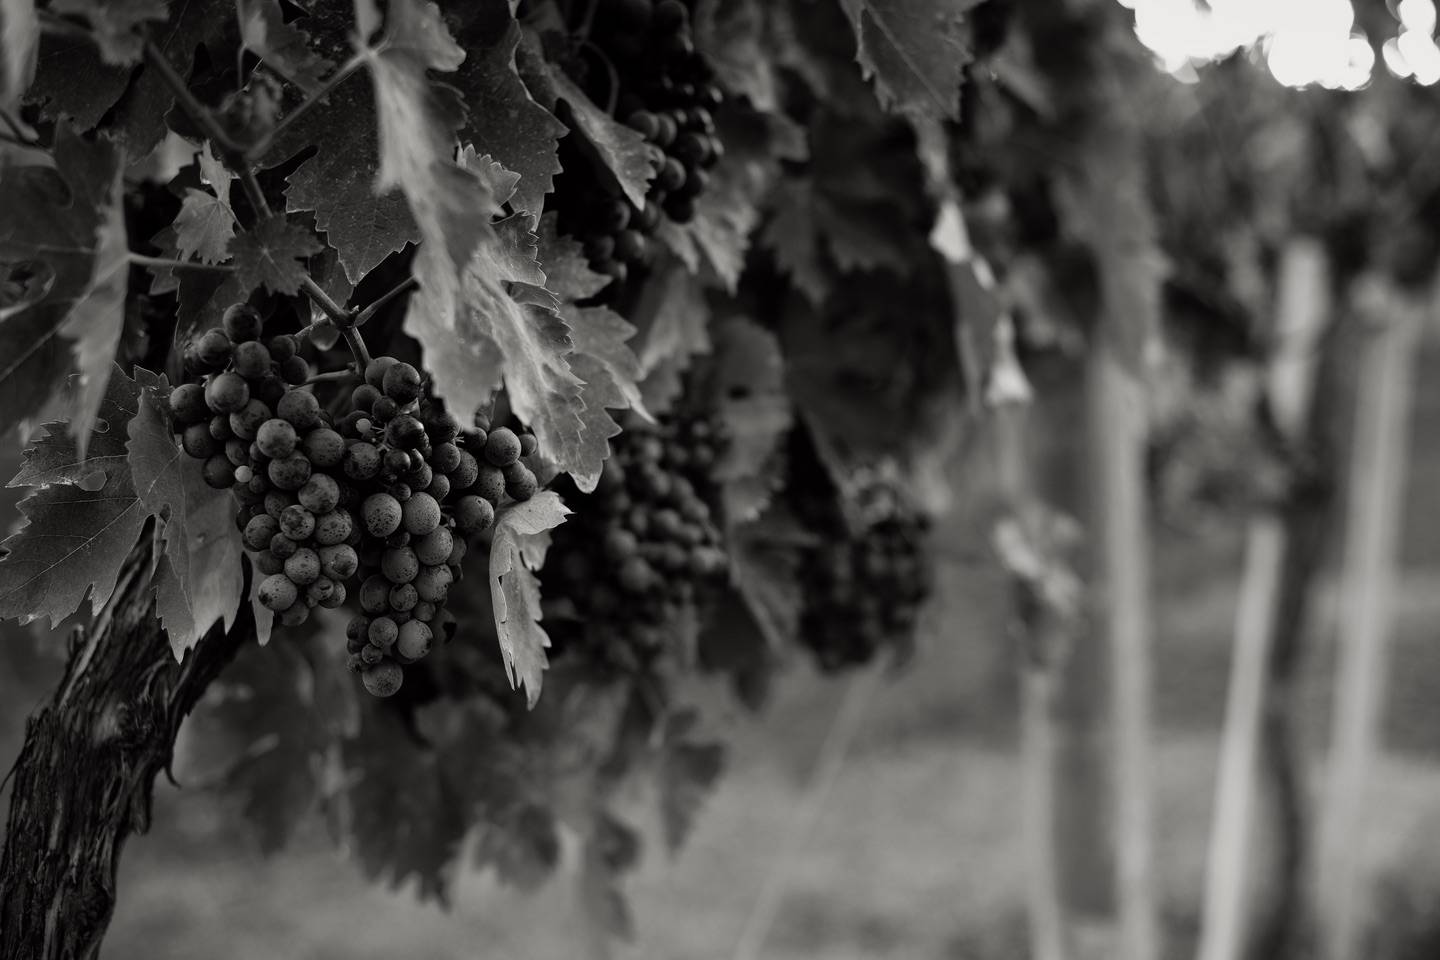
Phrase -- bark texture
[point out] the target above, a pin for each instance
(84, 780)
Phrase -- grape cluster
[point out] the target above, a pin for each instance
(864, 591)
(387, 494)
(637, 553)
(670, 100)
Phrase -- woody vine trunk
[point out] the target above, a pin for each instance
(84, 780)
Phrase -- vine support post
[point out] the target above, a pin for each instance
(1302, 316)
(1375, 497)
(1117, 423)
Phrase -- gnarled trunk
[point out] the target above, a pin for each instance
(85, 777)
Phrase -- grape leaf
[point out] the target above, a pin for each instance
(915, 50)
(516, 552)
(732, 37)
(688, 772)
(140, 112)
(623, 156)
(81, 521)
(19, 45)
(416, 118)
(271, 254)
(71, 220)
(406, 817)
(609, 369)
(270, 723)
(674, 321)
(746, 384)
(204, 227)
(764, 566)
(500, 321)
(567, 269)
(505, 122)
(601, 898)
(72, 83)
(202, 546)
(283, 46)
(364, 227)
(116, 25)
(792, 239)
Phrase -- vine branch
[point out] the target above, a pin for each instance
(261, 146)
(142, 260)
(198, 112)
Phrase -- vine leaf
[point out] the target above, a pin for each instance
(674, 321)
(204, 227)
(746, 384)
(364, 227)
(406, 817)
(567, 269)
(687, 774)
(622, 155)
(791, 237)
(19, 44)
(516, 552)
(271, 254)
(914, 49)
(732, 38)
(609, 369)
(500, 325)
(81, 521)
(202, 550)
(506, 123)
(115, 27)
(267, 728)
(764, 566)
(70, 221)
(283, 46)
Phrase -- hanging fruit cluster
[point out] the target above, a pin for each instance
(667, 93)
(385, 495)
(639, 553)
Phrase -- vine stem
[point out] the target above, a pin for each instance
(235, 155)
(401, 288)
(197, 110)
(259, 148)
(332, 375)
(141, 260)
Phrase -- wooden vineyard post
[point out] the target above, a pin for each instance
(1302, 314)
(1378, 458)
(1120, 598)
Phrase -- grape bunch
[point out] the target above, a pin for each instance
(863, 591)
(386, 495)
(639, 551)
(670, 99)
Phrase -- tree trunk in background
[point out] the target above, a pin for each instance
(84, 780)
(1302, 315)
(1375, 496)
(1120, 607)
